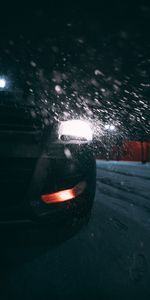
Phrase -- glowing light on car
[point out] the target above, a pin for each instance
(64, 195)
(2, 83)
(77, 129)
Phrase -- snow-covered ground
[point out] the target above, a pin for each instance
(108, 259)
(127, 167)
(125, 187)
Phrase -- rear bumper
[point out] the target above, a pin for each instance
(53, 172)
(51, 217)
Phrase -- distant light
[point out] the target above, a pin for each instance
(2, 83)
(110, 127)
(107, 126)
(58, 89)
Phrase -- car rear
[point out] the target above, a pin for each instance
(36, 167)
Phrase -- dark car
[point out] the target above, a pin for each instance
(47, 168)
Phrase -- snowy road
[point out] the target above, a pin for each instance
(125, 187)
(108, 259)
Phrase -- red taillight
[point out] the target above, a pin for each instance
(65, 195)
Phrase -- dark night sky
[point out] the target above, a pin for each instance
(110, 36)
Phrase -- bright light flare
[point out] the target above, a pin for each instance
(76, 128)
(64, 195)
(2, 83)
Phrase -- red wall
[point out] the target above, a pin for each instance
(128, 151)
(135, 151)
